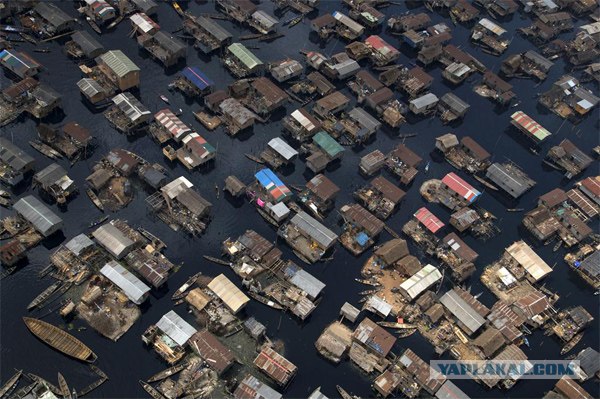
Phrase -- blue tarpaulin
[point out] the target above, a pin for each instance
(197, 78)
(362, 238)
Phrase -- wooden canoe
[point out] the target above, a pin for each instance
(64, 388)
(98, 372)
(167, 372)
(181, 291)
(265, 301)
(571, 344)
(10, 384)
(400, 326)
(44, 295)
(60, 340)
(151, 391)
(344, 394)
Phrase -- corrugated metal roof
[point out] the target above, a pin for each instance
(18, 62)
(170, 43)
(450, 391)
(231, 295)
(424, 101)
(45, 95)
(286, 70)
(275, 365)
(199, 146)
(381, 46)
(282, 148)
(388, 189)
(323, 187)
(174, 188)
(131, 107)
(244, 55)
(147, 6)
(508, 180)
(132, 286)
(302, 117)
(469, 318)
(50, 174)
(144, 22)
(314, 229)
(453, 102)
(494, 28)
(168, 120)
(428, 219)
(591, 264)
(273, 184)
(194, 202)
(113, 240)
(539, 59)
(216, 30)
(176, 328)
(461, 187)
(348, 22)
(421, 280)
(197, 78)
(304, 280)
(364, 119)
(51, 13)
(89, 87)
(524, 122)
(118, 62)
(236, 111)
(378, 305)
(359, 216)
(87, 43)
(529, 260)
(252, 388)
(265, 19)
(13, 156)
(346, 68)
(374, 337)
(79, 243)
(458, 246)
(328, 144)
(39, 215)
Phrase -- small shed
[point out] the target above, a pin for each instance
(91, 90)
(255, 328)
(372, 162)
(234, 186)
(423, 104)
(90, 47)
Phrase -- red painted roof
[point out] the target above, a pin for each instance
(428, 219)
(460, 187)
(380, 45)
(592, 184)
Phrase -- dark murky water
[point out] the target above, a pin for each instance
(127, 361)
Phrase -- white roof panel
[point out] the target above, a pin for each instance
(176, 328)
(132, 286)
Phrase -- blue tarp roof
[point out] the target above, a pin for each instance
(266, 177)
(197, 78)
(362, 238)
